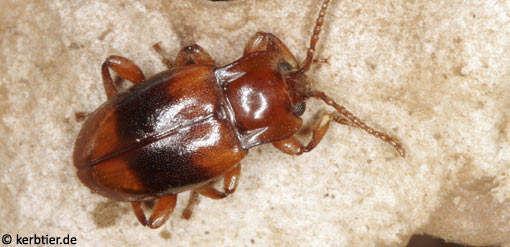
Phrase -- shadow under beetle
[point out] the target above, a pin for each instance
(184, 127)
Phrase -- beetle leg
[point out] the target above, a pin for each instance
(211, 192)
(80, 116)
(124, 67)
(192, 202)
(230, 182)
(140, 215)
(206, 190)
(161, 52)
(164, 207)
(231, 179)
(258, 42)
(193, 54)
(293, 146)
(261, 41)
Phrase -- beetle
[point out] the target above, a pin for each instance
(187, 126)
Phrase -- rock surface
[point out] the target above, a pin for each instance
(436, 74)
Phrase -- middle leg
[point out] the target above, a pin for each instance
(192, 54)
(230, 182)
(125, 68)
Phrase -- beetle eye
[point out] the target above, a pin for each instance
(284, 66)
(300, 108)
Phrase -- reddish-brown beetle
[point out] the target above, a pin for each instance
(185, 127)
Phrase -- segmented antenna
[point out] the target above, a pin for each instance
(350, 119)
(315, 36)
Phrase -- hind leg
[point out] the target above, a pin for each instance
(230, 182)
(162, 210)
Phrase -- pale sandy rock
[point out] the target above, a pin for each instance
(436, 74)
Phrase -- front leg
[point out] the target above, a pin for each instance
(293, 146)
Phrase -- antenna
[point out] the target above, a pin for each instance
(315, 36)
